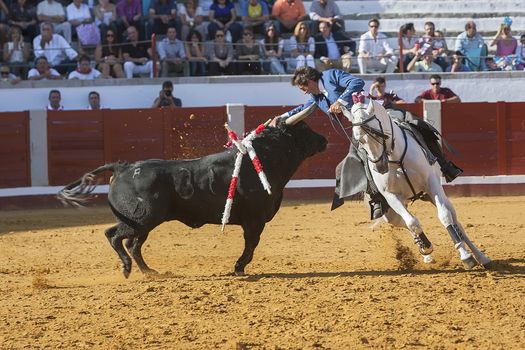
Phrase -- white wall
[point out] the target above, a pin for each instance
(265, 91)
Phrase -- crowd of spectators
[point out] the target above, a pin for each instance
(214, 37)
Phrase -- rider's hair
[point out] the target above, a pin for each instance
(380, 80)
(303, 74)
(435, 77)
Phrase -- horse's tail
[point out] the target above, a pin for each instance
(79, 192)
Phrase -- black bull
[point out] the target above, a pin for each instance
(147, 193)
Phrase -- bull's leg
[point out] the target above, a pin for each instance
(252, 235)
(134, 246)
(447, 217)
(115, 235)
(411, 223)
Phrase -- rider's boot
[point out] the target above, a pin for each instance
(450, 170)
(378, 206)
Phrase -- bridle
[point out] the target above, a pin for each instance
(377, 135)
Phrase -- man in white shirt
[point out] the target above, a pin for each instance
(57, 50)
(54, 101)
(42, 71)
(78, 13)
(84, 70)
(53, 12)
(375, 53)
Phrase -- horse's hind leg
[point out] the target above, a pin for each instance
(134, 246)
(115, 235)
(398, 215)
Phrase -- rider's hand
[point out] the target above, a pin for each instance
(335, 108)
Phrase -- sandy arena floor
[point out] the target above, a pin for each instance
(319, 280)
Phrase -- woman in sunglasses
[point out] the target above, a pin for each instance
(109, 56)
(273, 50)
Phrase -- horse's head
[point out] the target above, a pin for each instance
(371, 128)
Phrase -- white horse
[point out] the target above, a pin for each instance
(402, 172)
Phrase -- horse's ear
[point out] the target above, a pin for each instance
(370, 107)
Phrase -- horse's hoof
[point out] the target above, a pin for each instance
(425, 246)
(428, 259)
(469, 263)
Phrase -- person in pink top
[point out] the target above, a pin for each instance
(288, 13)
(505, 43)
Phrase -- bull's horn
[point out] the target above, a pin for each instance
(297, 117)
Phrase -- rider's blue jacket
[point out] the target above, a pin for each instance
(336, 85)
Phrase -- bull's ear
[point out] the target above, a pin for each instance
(182, 182)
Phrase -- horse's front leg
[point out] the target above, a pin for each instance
(447, 216)
(399, 215)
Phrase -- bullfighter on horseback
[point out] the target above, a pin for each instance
(331, 91)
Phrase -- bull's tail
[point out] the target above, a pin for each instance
(79, 192)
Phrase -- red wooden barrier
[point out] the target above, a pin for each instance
(320, 166)
(14, 150)
(79, 141)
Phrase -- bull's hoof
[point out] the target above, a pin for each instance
(469, 263)
(149, 271)
(126, 270)
(239, 273)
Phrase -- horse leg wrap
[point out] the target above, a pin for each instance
(455, 234)
(424, 244)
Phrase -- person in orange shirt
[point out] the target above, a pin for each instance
(287, 13)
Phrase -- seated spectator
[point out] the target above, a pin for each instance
(457, 64)
(166, 98)
(57, 50)
(506, 46)
(192, 16)
(17, 52)
(7, 76)
(163, 14)
(375, 53)
(273, 50)
(302, 46)
(94, 100)
(84, 70)
(249, 53)
(219, 54)
(42, 71)
(332, 50)
(423, 64)
(520, 54)
(109, 57)
(326, 11)
(440, 50)
(378, 92)
(172, 55)
(106, 17)
(254, 15)
(471, 45)
(222, 15)
(136, 55)
(408, 36)
(50, 11)
(23, 15)
(129, 14)
(54, 101)
(287, 13)
(491, 64)
(79, 15)
(195, 54)
(431, 42)
(436, 92)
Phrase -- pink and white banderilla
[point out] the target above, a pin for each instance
(243, 146)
